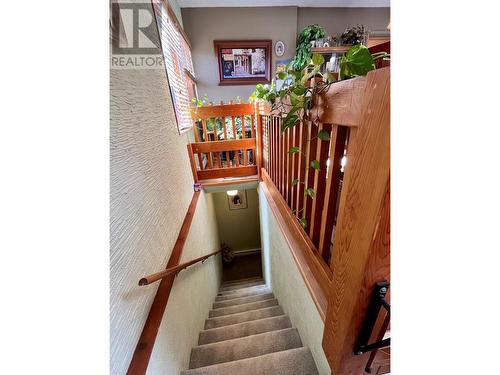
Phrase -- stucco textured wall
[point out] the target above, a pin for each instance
(151, 188)
(239, 229)
(191, 297)
(288, 286)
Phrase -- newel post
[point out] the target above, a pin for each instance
(361, 245)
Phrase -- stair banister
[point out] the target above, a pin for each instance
(174, 270)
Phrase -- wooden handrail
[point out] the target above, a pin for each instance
(140, 360)
(173, 270)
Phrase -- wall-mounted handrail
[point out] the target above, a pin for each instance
(140, 360)
(174, 270)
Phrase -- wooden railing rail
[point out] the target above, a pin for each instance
(344, 225)
(174, 270)
(140, 360)
(226, 141)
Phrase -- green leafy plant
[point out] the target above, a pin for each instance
(358, 61)
(303, 50)
(293, 101)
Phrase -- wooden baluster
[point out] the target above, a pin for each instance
(195, 131)
(270, 136)
(280, 156)
(252, 126)
(294, 167)
(310, 172)
(286, 165)
(204, 128)
(245, 161)
(301, 167)
(276, 152)
(322, 149)
(337, 144)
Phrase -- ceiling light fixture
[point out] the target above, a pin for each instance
(232, 193)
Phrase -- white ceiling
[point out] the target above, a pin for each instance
(277, 3)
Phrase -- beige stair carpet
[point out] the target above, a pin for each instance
(247, 332)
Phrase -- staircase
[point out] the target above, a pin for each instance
(247, 332)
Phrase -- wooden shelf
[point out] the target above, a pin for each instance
(339, 49)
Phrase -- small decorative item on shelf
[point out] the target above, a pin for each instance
(227, 253)
(327, 42)
(319, 43)
(354, 35)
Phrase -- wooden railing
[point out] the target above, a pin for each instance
(174, 270)
(226, 141)
(140, 360)
(337, 215)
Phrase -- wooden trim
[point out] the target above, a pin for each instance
(227, 172)
(342, 103)
(313, 269)
(192, 162)
(177, 24)
(140, 360)
(222, 110)
(218, 146)
(174, 270)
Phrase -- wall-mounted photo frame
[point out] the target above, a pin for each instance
(238, 201)
(243, 62)
(279, 48)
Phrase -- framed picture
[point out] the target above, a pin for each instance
(238, 201)
(244, 62)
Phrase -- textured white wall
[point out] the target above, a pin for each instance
(191, 297)
(151, 188)
(288, 285)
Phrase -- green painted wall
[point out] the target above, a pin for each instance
(238, 228)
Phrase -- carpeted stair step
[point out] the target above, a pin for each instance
(243, 290)
(242, 300)
(243, 293)
(242, 281)
(243, 317)
(239, 286)
(289, 362)
(253, 327)
(244, 347)
(243, 307)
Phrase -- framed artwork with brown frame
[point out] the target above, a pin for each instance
(243, 62)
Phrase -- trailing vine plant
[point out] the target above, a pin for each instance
(293, 100)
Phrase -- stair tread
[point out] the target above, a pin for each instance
(239, 286)
(242, 300)
(223, 311)
(242, 290)
(239, 281)
(298, 361)
(244, 347)
(246, 293)
(251, 327)
(243, 317)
